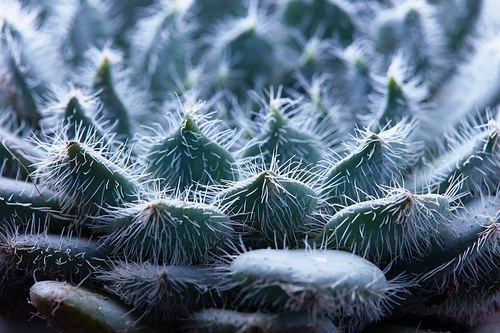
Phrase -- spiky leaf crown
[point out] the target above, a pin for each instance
(155, 150)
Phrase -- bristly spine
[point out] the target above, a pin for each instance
(167, 229)
(271, 203)
(373, 160)
(194, 151)
(85, 171)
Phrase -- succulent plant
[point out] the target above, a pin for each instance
(251, 165)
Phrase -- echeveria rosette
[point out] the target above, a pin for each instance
(146, 142)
